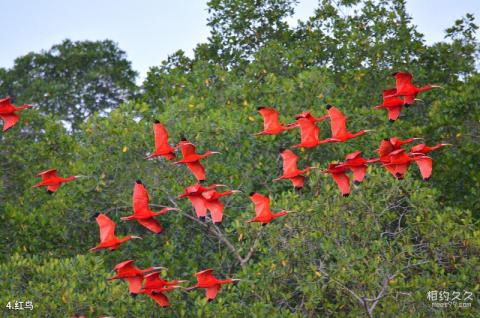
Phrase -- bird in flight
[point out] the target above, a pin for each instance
(271, 123)
(128, 272)
(194, 194)
(339, 175)
(338, 126)
(206, 280)
(290, 169)
(141, 210)
(355, 162)
(192, 160)
(162, 147)
(211, 200)
(52, 181)
(422, 148)
(108, 240)
(263, 214)
(393, 104)
(8, 113)
(405, 87)
(155, 287)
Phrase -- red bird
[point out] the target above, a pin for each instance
(309, 116)
(393, 104)
(357, 164)
(398, 162)
(141, 211)
(338, 126)
(388, 145)
(162, 147)
(309, 132)
(108, 240)
(52, 181)
(206, 280)
(271, 124)
(339, 174)
(192, 160)
(263, 214)
(406, 88)
(290, 169)
(194, 194)
(132, 275)
(155, 288)
(211, 199)
(424, 149)
(8, 113)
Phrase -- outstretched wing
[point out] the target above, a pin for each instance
(270, 118)
(338, 122)
(198, 204)
(187, 148)
(47, 174)
(385, 148)
(134, 284)
(308, 132)
(213, 291)
(262, 203)
(197, 169)
(394, 112)
(140, 198)
(403, 83)
(9, 120)
(298, 181)
(343, 182)
(425, 165)
(161, 136)
(289, 162)
(151, 224)
(53, 188)
(205, 276)
(160, 299)
(216, 210)
(359, 173)
(106, 226)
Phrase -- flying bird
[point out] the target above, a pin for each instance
(8, 113)
(271, 123)
(162, 147)
(155, 287)
(263, 214)
(52, 181)
(424, 149)
(132, 274)
(192, 160)
(141, 210)
(357, 164)
(108, 240)
(309, 132)
(393, 104)
(398, 161)
(339, 175)
(212, 202)
(405, 87)
(290, 169)
(338, 126)
(194, 194)
(309, 116)
(206, 280)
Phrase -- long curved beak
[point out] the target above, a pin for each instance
(236, 279)
(136, 237)
(419, 138)
(369, 130)
(446, 144)
(437, 86)
(159, 267)
(236, 191)
(418, 100)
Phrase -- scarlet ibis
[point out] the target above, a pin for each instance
(309, 132)
(108, 240)
(271, 123)
(214, 205)
(309, 116)
(162, 147)
(397, 163)
(192, 160)
(392, 104)
(339, 174)
(406, 88)
(141, 211)
(132, 274)
(422, 148)
(155, 287)
(338, 126)
(263, 214)
(52, 181)
(206, 280)
(388, 145)
(194, 194)
(290, 169)
(8, 113)
(357, 164)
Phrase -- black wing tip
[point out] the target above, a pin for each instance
(138, 181)
(95, 215)
(156, 121)
(218, 223)
(281, 149)
(50, 192)
(391, 121)
(394, 74)
(298, 189)
(202, 218)
(251, 193)
(209, 300)
(345, 195)
(260, 108)
(133, 295)
(329, 106)
(183, 138)
(426, 179)
(386, 139)
(356, 182)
